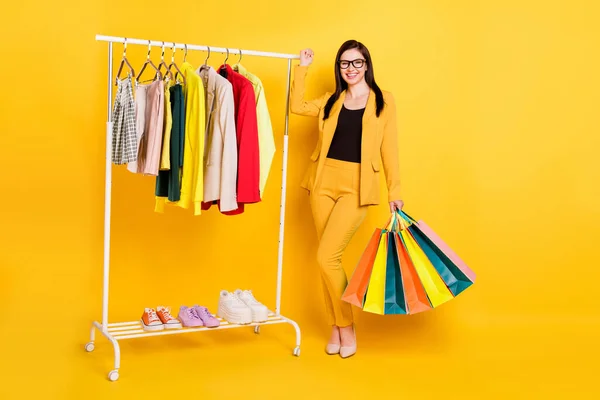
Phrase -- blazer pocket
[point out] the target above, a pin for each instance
(376, 165)
(309, 175)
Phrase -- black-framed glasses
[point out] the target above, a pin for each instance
(358, 63)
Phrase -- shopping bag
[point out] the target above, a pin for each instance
(452, 276)
(443, 258)
(437, 291)
(375, 296)
(357, 286)
(444, 248)
(395, 301)
(414, 292)
(406, 269)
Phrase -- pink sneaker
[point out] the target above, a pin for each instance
(188, 317)
(210, 321)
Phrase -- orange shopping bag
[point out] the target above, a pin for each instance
(414, 292)
(437, 291)
(357, 286)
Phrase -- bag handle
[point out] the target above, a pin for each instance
(410, 220)
(389, 226)
(399, 220)
(393, 222)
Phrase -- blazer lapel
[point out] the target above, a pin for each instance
(369, 128)
(329, 126)
(212, 86)
(209, 79)
(371, 107)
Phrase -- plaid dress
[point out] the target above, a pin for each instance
(124, 138)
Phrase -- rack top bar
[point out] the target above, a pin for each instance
(170, 45)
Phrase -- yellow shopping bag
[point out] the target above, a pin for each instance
(436, 289)
(375, 297)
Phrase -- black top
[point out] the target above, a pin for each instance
(346, 142)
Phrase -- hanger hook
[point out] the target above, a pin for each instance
(208, 56)
(149, 49)
(173, 54)
(226, 58)
(125, 48)
(185, 54)
(240, 60)
(162, 55)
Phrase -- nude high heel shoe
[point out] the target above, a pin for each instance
(332, 349)
(349, 351)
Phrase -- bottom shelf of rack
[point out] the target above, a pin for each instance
(134, 329)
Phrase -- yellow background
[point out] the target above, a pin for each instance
(498, 114)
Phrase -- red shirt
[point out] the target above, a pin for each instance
(248, 176)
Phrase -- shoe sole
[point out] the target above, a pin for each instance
(260, 316)
(152, 328)
(186, 325)
(192, 326)
(234, 318)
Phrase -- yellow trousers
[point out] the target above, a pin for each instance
(337, 214)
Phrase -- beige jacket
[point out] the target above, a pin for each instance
(220, 142)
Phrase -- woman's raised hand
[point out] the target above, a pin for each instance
(306, 57)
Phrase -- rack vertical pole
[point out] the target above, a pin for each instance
(107, 192)
(283, 191)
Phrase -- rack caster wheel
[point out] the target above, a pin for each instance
(257, 329)
(297, 351)
(113, 375)
(89, 347)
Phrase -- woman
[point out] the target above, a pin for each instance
(357, 134)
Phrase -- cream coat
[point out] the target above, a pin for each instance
(220, 142)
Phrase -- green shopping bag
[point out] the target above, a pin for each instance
(395, 302)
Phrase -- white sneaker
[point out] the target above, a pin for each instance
(260, 312)
(232, 309)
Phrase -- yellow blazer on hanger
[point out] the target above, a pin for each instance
(379, 140)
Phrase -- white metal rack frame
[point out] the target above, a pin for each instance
(115, 332)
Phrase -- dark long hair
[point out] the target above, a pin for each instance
(340, 83)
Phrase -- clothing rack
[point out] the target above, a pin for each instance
(115, 332)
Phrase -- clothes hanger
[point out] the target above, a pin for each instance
(184, 61)
(223, 69)
(205, 65)
(207, 57)
(226, 58)
(168, 74)
(176, 67)
(149, 62)
(237, 65)
(124, 61)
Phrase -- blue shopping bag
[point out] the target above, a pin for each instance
(454, 278)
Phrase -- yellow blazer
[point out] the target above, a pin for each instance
(379, 140)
